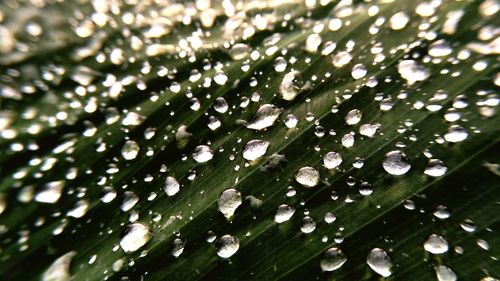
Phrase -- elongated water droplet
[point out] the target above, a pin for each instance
(136, 236)
(228, 245)
(265, 117)
(332, 160)
(396, 163)
(202, 154)
(436, 244)
(333, 259)
(178, 247)
(307, 176)
(255, 149)
(380, 262)
(172, 186)
(283, 213)
(228, 202)
(130, 150)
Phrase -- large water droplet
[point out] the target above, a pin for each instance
(358, 71)
(380, 262)
(265, 117)
(412, 72)
(307, 176)
(202, 154)
(255, 149)
(228, 245)
(136, 236)
(353, 117)
(436, 244)
(228, 202)
(177, 247)
(396, 163)
(341, 59)
(308, 225)
(333, 259)
(59, 269)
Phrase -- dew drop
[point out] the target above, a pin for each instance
(380, 262)
(333, 259)
(312, 43)
(177, 247)
(50, 193)
(255, 149)
(307, 176)
(290, 85)
(228, 202)
(228, 245)
(308, 225)
(396, 163)
(341, 59)
(283, 213)
(172, 186)
(265, 117)
(412, 72)
(439, 49)
(399, 21)
(332, 159)
(444, 273)
(436, 244)
(59, 269)
(202, 154)
(280, 64)
(239, 51)
(353, 117)
(435, 168)
(130, 150)
(358, 71)
(136, 236)
(455, 133)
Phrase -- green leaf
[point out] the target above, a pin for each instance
(278, 140)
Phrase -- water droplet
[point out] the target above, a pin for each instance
(353, 117)
(220, 78)
(291, 121)
(455, 133)
(333, 259)
(130, 150)
(50, 193)
(290, 85)
(172, 186)
(332, 159)
(307, 176)
(380, 262)
(312, 43)
(280, 64)
(399, 21)
(368, 130)
(228, 245)
(396, 163)
(439, 48)
(255, 149)
(358, 71)
(441, 212)
(221, 105)
(228, 202)
(330, 217)
(129, 201)
(239, 51)
(444, 273)
(412, 72)
(177, 247)
(436, 244)
(79, 210)
(308, 225)
(265, 117)
(283, 213)
(136, 236)
(435, 168)
(59, 269)
(348, 140)
(468, 226)
(341, 59)
(202, 154)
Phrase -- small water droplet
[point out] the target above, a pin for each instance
(265, 117)
(290, 85)
(50, 193)
(59, 269)
(130, 150)
(435, 168)
(308, 225)
(283, 213)
(172, 186)
(412, 72)
(177, 247)
(332, 159)
(353, 117)
(444, 273)
(358, 71)
(455, 133)
(202, 154)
